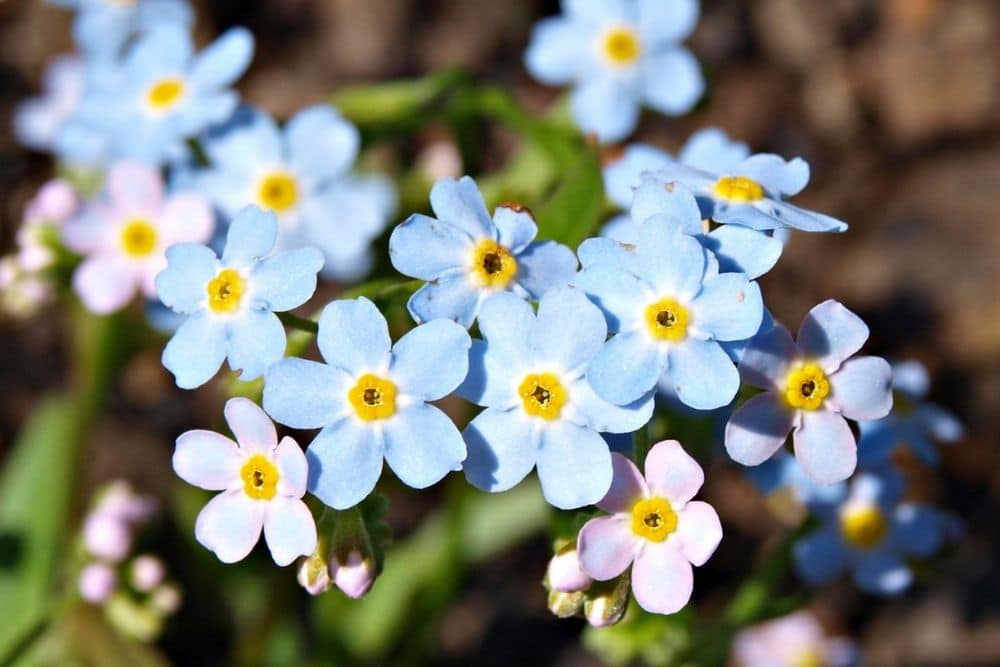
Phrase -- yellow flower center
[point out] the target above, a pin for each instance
(806, 387)
(260, 477)
(165, 93)
(543, 395)
(621, 46)
(138, 238)
(278, 191)
(738, 189)
(863, 526)
(373, 398)
(225, 291)
(493, 265)
(653, 519)
(808, 657)
(668, 320)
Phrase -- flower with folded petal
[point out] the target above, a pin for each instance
(654, 526)
(796, 640)
(868, 531)
(465, 256)
(230, 303)
(103, 27)
(371, 400)
(619, 55)
(262, 483)
(303, 173)
(125, 235)
(669, 307)
(530, 373)
(812, 385)
(912, 422)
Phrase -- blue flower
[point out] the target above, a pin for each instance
(371, 400)
(162, 93)
(531, 376)
(303, 173)
(103, 27)
(669, 307)
(868, 531)
(231, 303)
(811, 386)
(465, 256)
(619, 55)
(912, 422)
(752, 193)
(786, 487)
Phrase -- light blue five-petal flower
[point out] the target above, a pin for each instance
(102, 27)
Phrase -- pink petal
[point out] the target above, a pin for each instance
(627, 486)
(131, 185)
(606, 546)
(105, 284)
(699, 531)
(825, 446)
(186, 218)
(230, 525)
(253, 429)
(662, 579)
(289, 529)
(672, 473)
(207, 460)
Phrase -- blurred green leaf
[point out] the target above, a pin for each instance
(573, 212)
(394, 104)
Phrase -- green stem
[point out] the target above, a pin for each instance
(300, 323)
(640, 446)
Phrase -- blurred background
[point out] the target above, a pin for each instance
(894, 103)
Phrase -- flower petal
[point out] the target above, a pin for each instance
(767, 358)
(181, 286)
(105, 284)
(544, 266)
(699, 531)
(702, 374)
(624, 175)
(516, 227)
(460, 204)
(744, 250)
(207, 460)
(671, 81)
(588, 409)
(289, 529)
(256, 341)
(431, 360)
(710, 149)
(606, 547)
(345, 462)
(820, 556)
(422, 445)
(288, 279)
(758, 428)
(627, 486)
(559, 309)
(224, 60)
(672, 473)
(428, 248)
(862, 388)
(606, 107)
(616, 291)
(354, 336)
(133, 187)
(672, 262)
(292, 467)
(502, 448)
(666, 21)
(729, 307)
(555, 53)
(774, 173)
(452, 297)
(626, 368)
(306, 394)
(196, 351)
(883, 573)
(662, 578)
(670, 198)
(831, 333)
(574, 465)
(251, 236)
(825, 446)
(230, 525)
(917, 530)
(321, 143)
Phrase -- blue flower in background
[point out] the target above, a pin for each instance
(787, 489)
(812, 385)
(531, 376)
(912, 422)
(619, 55)
(669, 307)
(162, 93)
(868, 531)
(465, 256)
(371, 400)
(303, 173)
(230, 304)
(38, 120)
(102, 27)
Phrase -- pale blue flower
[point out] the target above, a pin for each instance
(618, 55)
(465, 256)
(231, 302)
(371, 400)
(102, 27)
(782, 474)
(530, 373)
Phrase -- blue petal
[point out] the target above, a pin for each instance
(619, 228)
(345, 462)
(767, 358)
(606, 107)
(671, 81)
(515, 228)
(588, 409)
(942, 424)
(825, 446)
(543, 266)
(744, 250)
(427, 248)
(562, 308)
(422, 445)
(672, 199)
(165, 49)
(508, 326)
(616, 292)
(288, 279)
(460, 204)
(490, 381)
(702, 374)
(626, 368)
(758, 429)
(502, 447)
(787, 215)
(664, 22)
(820, 556)
(431, 360)
(250, 138)
(223, 61)
(251, 236)
(452, 297)
(306, 394)
(598, 13)
(574, 465)
(710, 149)
(196, 351)
(917, 530)
(774, 173)
(322, 144)
(555, 53)
(831, 333)
(862, 388)
(256, 340)
(181, 286)
(729, 307)
(911, 377)
(102, 31)
(673, 263)
(882, 572)
(624, 175)
(618, 253)
(354, 336)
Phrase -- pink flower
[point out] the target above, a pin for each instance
(654, 526)
(125, 235)
(791, 641)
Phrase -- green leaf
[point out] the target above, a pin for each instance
(394, 103)
(573, 212)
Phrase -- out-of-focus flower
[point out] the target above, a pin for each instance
(371, 398)
(540, 409)
(654, 526)
(107, 536)
(619, 55)
(796, 640)
(787, 489)
(97, 582)
(912, 422)
(465, 256)
(812, 385)
(146, 572)
(166, 599)
(103, 27)
(125, 235)
(262, 483)
(39, 120)
(231, 303)
(302, 173)
(669, 307)
(54, 204)
(21, 293)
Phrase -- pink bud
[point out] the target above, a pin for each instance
(97, 582)
(55, 202)
(166, 599)
(565, 574)
(147, 573)
(107, 537)
(354, 577)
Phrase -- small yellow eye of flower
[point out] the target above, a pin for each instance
(668, 320)
(165, 93)
(543, 395)
(808, 658)
(278, 192)
(138, 238)
(373, 398)
(863, 526)
(653, 519)
(260, 478)
(621, 46)
(806, 387)
(738, 189)
(492, 265)
(225, 291)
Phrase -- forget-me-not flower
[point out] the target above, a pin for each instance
(230, 303)
(619, 55)
(38, 120)
(261, 480)
(102, 27)
(303, 173)
(812, 385)
(796, 640)
(465, 256)
(788, 491)
(371, 398)
(669, 308)
(530, 373)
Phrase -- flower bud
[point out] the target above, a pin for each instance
(97, 583)
(564, 573)
(314, 575)
(565, 605)
(147, 572)
(355, 574)
(352, 563)
(166, 599)
(107, 537)
(54, 203)
(607, 601)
